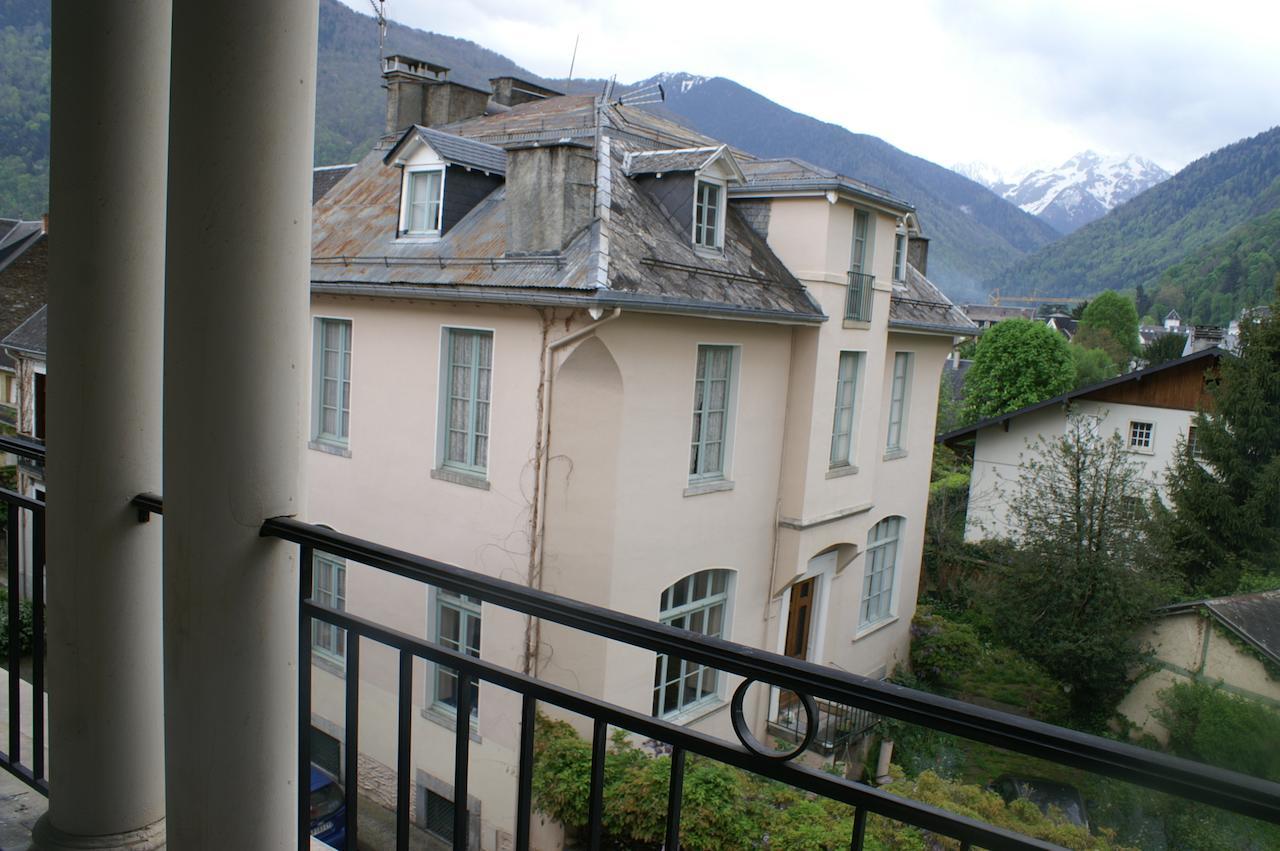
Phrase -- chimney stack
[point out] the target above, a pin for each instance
(918, 253)
(512, 91)
(549, 196)
(419, 92)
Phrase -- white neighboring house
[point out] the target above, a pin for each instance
(630, 366)
(1151, 409)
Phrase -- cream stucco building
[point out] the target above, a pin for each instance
(585, 349)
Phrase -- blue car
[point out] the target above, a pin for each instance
(328, 809)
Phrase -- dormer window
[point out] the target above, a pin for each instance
(708, 215)
(900, 255)
(423, 202)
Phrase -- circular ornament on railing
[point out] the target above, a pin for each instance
(751, 743)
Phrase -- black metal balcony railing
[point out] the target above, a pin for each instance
(858, 300)
(837, 725)
(31, 770)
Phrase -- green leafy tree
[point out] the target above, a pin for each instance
(1222, 519)
(1163, 349)
(1092, 365)
(1074, 591)
(1102, 340)
(1017, 362)
(1115, 314)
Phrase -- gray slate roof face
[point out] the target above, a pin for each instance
(789, 173)
(458, 150)
(16, 237)
(667, 162)
(1253, 617)
(325, 178)
(32, 336)
(921, 306)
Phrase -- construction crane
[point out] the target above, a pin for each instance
(1035, 299)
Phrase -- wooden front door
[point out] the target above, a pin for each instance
(800, 619)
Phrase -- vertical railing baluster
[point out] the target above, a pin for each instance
(37, 644)
(351, 777)
(595, 809)
(859, 829)
(403, 741)
(675, 796)
(304, 699)
(524, 787)
(462, 760)
(15, 638)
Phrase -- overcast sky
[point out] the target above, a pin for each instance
(1013, 84)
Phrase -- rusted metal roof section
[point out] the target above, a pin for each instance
(457, 150)
(918, 305)
(788, 174)
(353, 239)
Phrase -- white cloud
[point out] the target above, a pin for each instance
(1011, 83)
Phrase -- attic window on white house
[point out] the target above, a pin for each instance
(708, 215)
(424, 202)
(900, 256)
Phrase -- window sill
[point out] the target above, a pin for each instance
(329, 664)
(708, 251)
(699, 488)
(449, 720)
(413, 238)
(329, 448)
(863, 632)
(894, 454)
(471, 480)
(842, 471)
(858, 324)
(696, 713)
(1138, 450)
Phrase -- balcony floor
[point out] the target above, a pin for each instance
(20, 806)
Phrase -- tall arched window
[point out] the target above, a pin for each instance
(880, 568)
(698, 603)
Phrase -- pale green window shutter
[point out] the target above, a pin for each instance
(466, 417)
(331, 411)
(842, 428)
(898, 399)
(711, 393)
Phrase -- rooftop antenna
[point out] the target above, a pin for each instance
(652, 93)
(380, 15)
(572, 61)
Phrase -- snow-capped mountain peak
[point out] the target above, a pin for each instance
(674, 82)
(1083, 188)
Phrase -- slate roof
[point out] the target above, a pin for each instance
(17, 236)
(1136, 375)
(995, 312)
(24, 264)
(457, 150)
(918, 305)
(789, 174)
(1254, 618)
(651, 263)
(654, 162)
(325, 177)
(32, 336)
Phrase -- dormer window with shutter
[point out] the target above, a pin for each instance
(692, 186)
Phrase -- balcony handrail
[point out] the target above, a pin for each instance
(27, 447)
(1229, 790)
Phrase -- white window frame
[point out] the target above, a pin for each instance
(847, 391)
(899, 403)
(468, 609)
(900, 256)
(692, 608)
(468, 467)
(868, 239)
(341, 439)
(698, 231)
(328, 640)
(880, 571)
(1141, 436)
(698, 472)
(407, 200)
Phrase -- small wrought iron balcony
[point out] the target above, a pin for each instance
(858, 300)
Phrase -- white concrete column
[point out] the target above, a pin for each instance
(236, 349)
(106, 286)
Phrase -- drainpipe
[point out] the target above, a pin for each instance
(538, 522)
